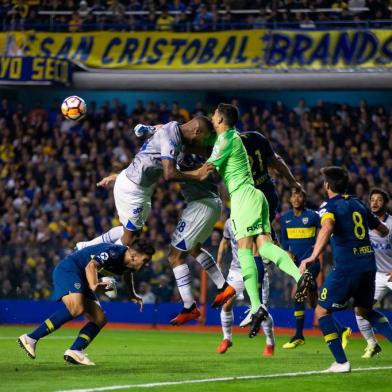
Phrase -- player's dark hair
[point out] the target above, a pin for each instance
(379, 191)
(337, 178)
(229, 113)
(143, 246)
(295, 190)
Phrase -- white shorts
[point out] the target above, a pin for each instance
(382, 286)
(196, 223)
(234, 278)
(133, 202)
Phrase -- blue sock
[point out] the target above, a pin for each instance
(86, 335)
(55, 321)
(260, 272)
(339, 327)
(299, 314)
(380, 323)
(331, 337)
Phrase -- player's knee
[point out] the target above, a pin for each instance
(228, 306)
(175, 258)
(320, 312)
(76, 309)
(101, 320)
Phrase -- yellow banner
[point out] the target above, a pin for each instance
(153, 50)
(274, 49)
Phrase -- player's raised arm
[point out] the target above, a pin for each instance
(277, 163)
(327, 226)
(170, 172)
(107, 181)
(92, 277)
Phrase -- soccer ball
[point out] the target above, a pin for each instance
(74, 108)
(111, 285)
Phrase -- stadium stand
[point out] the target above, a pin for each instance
(49, 168)
(193, 15)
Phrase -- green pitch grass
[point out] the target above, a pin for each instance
(150, 356)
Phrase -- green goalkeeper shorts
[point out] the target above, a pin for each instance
(249, 212)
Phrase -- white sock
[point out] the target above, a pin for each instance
(227, 319)
(183, 279)
(268, 328)
(119, 242)
(366, 331)
(110, 237)
(208, 263)
(265, 289)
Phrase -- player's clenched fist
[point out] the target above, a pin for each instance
(206, 170)
(107, 181)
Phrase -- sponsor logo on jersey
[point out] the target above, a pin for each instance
(254, 227)
(338, 306)
(377, 246)
(104, 256)
(137, 210)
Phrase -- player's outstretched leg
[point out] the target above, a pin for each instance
(110, 237)
(29, 341)
(331, 337)
(270, 251)
(207, 262)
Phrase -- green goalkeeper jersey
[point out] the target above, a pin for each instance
(230, 158)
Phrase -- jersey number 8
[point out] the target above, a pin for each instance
(359, 228)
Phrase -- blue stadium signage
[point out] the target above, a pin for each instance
(35, 70)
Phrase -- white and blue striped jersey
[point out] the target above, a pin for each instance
(383, 247)
(146, 167)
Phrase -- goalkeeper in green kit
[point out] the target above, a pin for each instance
(249, 212)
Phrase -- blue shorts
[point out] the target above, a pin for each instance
(340, 286)
(68, 278)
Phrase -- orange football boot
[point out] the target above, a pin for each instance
(269, 350)
(224, 345)
(224, 294)
(193, 313)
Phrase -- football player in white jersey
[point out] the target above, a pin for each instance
(133, 187)
(383, 252)
(235, 279)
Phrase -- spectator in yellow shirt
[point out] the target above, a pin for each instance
(165, 21)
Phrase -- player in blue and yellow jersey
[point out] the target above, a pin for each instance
(76, 283)
(347, 220)
(298, 235)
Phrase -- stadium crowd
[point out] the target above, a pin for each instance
(184, 15)
(49, 168)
